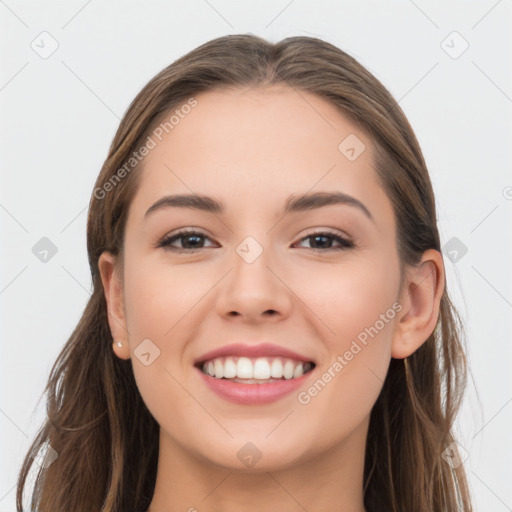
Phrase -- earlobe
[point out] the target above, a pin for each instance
(421, 297)
(113, 289)
(121, 349)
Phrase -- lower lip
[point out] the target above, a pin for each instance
(253, 394)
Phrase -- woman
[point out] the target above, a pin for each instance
(270, 327)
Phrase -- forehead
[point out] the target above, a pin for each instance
(253, 148)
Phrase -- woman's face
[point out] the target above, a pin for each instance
(280, 286)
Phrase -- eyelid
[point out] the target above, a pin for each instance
(345, 242)
(177, 234)
(326, 231)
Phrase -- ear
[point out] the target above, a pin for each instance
(421, 299)
(113, 288)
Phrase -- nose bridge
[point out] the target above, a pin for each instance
(251, 276)
(252, 288)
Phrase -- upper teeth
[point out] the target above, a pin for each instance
(260, 368)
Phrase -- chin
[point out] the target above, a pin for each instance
(257, 455)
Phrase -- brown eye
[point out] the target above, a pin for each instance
(324, 241)
(190, 241)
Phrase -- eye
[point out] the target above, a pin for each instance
(322, 241)
(192, 241)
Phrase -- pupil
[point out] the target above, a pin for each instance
(319, 236)
(192, 237)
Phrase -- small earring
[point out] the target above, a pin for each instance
(119, 343)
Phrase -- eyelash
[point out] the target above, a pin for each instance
(165, 242)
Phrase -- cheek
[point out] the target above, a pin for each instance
(357, 302)
(350, 297)
(158, 302)
(159, 296)
(356, 313)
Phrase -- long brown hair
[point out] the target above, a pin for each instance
(106, 440)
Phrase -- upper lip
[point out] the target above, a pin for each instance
(259, 350)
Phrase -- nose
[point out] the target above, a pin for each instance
(254, 291)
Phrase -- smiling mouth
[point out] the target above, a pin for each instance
(260, 370)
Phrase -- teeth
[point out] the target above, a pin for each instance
(229, 368)
(276, 369)
(289, 366)
(244, 368)
(219, 368)
(259, 369)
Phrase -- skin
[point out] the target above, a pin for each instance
(251, 149)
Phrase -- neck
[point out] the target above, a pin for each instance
(329, 482)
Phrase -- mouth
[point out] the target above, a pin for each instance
(255, 370)
(254, 374)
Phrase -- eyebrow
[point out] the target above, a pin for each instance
(294, 203)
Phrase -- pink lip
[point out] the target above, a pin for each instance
(253, 394)
(261, 350)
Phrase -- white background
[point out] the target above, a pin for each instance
(58, 116)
